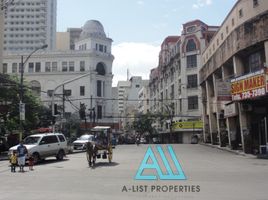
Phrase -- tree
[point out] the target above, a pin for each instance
(10, 94)
(143, 124)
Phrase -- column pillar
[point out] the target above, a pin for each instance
(238, 66)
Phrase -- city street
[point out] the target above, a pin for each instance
(212, 174)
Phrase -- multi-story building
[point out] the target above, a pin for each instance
(46, 70)
(174, 87)
(74, 36)
(128, 99)
(30, 24)
(144, 99)
(63, 41)
(234, 80)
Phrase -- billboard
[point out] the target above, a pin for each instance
(248, 86)
(188, 125)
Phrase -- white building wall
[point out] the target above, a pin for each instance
(30, 24)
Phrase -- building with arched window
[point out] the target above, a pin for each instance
(174, 84)
(44, 71)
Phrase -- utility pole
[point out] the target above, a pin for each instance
(64, 83)
(22, 105)
(63, 108)
(91, 113)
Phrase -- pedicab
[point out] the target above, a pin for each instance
(100, 146)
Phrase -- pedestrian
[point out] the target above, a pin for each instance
(31, 162)
(21, 154)
(13, 161)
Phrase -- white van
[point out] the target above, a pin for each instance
(41, 146)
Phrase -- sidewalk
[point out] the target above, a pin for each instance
(238, 152)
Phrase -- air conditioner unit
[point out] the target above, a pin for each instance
(246, 107)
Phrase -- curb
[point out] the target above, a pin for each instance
(229, 150)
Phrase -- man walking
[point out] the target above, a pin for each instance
(21, 154)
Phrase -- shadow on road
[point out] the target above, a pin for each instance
(104, 164)
(51, 161)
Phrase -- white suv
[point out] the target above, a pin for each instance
(45, 145)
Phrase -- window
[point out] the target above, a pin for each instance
(4, 68)
(221, 36)
(192, 102)
(227, 30)
(137, 86)
(14, 67)
(82, 90)
(100, 69)
(31, 68)
(191, 46)
(191, 29)
(191, 61)
(62, 139)
(99, 112)
(64, 66)
(255, 3)
(192, 81)
(99, 88)
(54, 66)
(82, 66)
(47, 67)
(49, 139)
(241, 13)
(37, 67)
(68, 93)
(71, 66)
(20, 68)
(101, 48)
(254, 62)
(233, 22)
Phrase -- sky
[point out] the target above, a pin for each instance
(138, 27)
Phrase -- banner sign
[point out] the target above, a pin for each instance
(248, 86)
(223, 90)
(188, 125)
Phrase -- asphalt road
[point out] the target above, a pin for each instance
(211, 174)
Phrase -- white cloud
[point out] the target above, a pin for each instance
(201, 3)
(160, 25)
(139, 58)
(140, 2)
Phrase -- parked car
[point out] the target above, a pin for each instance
(45, 145)
(80, 143)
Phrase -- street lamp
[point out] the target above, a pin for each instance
(22, 105)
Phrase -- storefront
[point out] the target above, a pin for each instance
(185, 132)
(249, 95)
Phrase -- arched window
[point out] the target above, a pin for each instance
(191, 46)
(100, 69)
(36, 87)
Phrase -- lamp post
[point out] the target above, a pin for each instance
(23, 62)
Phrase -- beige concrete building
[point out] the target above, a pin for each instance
(234, 80)
(63, 41)
(174, 84)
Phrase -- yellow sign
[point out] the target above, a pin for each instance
(248, 86)
(188, 125)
